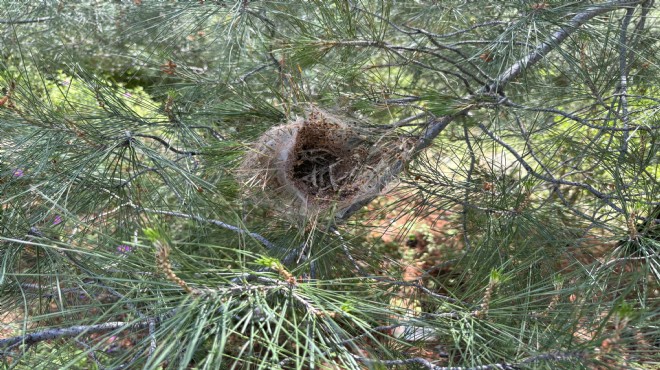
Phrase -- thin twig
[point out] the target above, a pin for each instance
(224, 225)
(25, 21)
(432, 37)
(484, 24)
(623, 79)
(489, 42)
(167, 145)
(211, 130)
(398, 49)
(552, 357)
(468, 180)
(54, 291)
(507, 102)
(92, 353)
(247, 75)
(406, 121)
(551, 179)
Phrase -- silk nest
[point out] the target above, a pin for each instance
(320, 162)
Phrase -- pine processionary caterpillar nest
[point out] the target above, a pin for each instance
(315, 163)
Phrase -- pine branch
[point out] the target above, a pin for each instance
(557, 38)
(151, 322)
(438, 125)
(432, 38)
(549, 178)
(72, 331)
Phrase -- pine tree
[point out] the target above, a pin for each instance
(196, 184)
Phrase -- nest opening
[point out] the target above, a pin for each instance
(320, 173)
(314, 169)
(324, 164)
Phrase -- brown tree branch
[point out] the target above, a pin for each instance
(25, 21)
(72, 331)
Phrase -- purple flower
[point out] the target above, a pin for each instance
(18, 173)
(127, 94)
(123, 249)
(57, 220)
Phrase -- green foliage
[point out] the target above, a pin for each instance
(526, 185)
